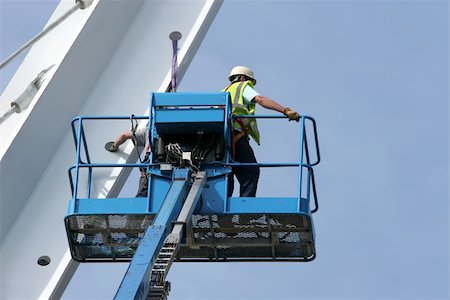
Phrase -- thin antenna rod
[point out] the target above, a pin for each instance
(174, 36)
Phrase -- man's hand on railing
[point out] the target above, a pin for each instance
(292, 115)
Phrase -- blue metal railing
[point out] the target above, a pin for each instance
(81, 146)
(304, 152)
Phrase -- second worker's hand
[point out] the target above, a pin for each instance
(109, 146)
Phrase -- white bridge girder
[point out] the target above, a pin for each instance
(108, 59)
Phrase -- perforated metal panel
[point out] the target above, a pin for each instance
(209, 237)
(106, 237)
(239, 237)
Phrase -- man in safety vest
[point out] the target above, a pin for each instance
(244, 99)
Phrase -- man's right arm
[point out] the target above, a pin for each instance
(273, 105)
(269, 103)
(126, 135)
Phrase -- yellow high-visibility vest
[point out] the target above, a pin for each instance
(240, 108)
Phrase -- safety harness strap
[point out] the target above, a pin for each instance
(236, 138)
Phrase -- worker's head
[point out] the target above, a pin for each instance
(241, 73)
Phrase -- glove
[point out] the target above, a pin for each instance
(292, 115)
(109, 146)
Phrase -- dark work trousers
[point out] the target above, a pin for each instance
(247, 175)
(143, 184)
(143, 180)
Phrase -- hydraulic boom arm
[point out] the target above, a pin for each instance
(145, 277)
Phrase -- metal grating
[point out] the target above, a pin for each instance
(210, 237)
(239, 237)
(106, 237)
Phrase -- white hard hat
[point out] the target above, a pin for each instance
(241, 70)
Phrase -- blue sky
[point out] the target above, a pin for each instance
(375, 76)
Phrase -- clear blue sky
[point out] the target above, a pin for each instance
(375, 76)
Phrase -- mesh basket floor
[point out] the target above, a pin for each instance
(212, 237)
